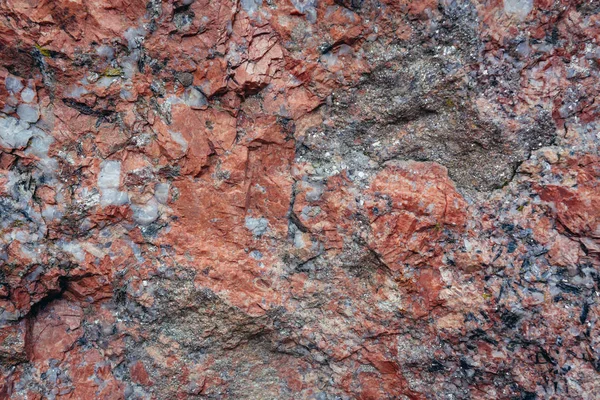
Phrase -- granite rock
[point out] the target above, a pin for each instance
(299, 199)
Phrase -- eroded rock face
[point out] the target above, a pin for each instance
(417, 108)
(299, 199)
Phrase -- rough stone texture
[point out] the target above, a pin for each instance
(299, 199)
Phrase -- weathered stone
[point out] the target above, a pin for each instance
(328, 199)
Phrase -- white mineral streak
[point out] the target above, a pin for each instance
(108, 183)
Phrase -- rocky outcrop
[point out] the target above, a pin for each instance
(299, 199)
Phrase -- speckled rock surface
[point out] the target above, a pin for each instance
(299, 199)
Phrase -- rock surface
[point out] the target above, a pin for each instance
(299, 199)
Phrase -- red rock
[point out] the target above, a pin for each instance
(564, 252)
(325, 199)
(92, 287)
(578, 211)
(54, 330)
(139, 374)
(406, 231)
